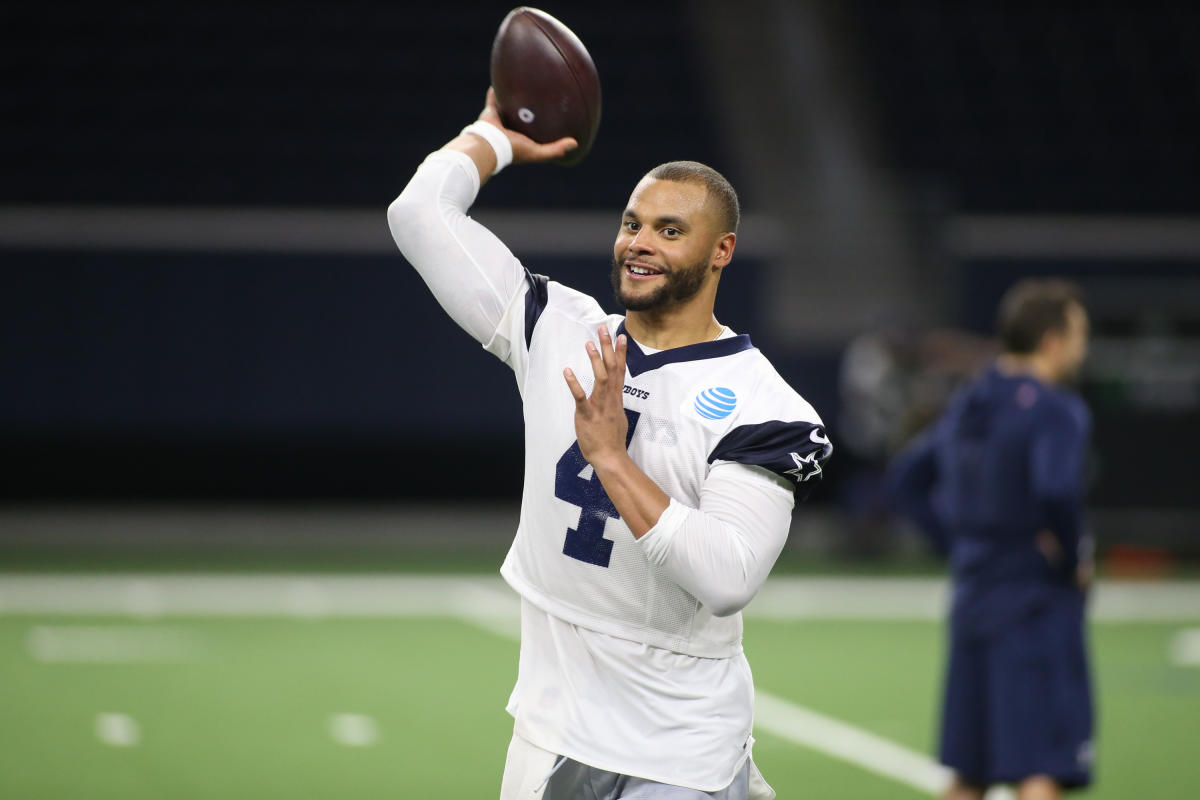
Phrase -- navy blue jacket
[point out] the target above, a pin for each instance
(1004, 462)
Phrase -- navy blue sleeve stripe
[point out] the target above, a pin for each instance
(793, 450)
(535, 302)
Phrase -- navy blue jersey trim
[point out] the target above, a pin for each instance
(793, 450)
(638, 362)
(535, 302)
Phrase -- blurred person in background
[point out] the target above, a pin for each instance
(996, 483)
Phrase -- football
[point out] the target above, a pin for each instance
(545, 81)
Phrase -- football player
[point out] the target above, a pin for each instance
(663, 458)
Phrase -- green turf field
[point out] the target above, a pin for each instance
(404, 704)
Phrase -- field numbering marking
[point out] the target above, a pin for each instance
(117, 730)
(353, 730)
(1184, 650)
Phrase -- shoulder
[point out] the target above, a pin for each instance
(551, 305)
(743, 388)
(775, 428)
(774, 396)
(1065, 409)
(572, 304)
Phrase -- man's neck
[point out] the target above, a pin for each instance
(664, 330)
(1034, 365)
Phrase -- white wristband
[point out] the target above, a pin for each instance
(496, 138)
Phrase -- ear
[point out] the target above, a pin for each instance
(722, 252)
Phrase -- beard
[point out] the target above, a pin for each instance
(678, 286)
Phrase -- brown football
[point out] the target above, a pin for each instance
(545, 81)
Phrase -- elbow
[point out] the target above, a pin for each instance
(1060, 504)
(717, 562)
(736, 577)
(726, 610)
(400, 215)
(728, 602)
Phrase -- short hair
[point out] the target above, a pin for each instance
(719, 189)
(1033, 307)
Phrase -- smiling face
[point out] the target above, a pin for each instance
(670, 246)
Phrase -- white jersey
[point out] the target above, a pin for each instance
(631, 648)
(688, 408)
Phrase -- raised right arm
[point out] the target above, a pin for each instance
(471, 273)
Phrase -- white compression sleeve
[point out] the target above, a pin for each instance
(722, 552)
(471, 273)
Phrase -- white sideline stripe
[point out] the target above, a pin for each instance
(840, 740)
(224, 595)
(788, 598)
(1185, 648)
(150, 595)
(111, 644)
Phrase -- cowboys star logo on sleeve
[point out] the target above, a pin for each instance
(807, 467)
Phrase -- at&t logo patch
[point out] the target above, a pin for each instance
(715, 403)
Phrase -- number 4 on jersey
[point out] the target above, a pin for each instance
(586, 542)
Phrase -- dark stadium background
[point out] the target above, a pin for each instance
(900, 165)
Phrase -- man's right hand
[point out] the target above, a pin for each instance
(525, 150)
